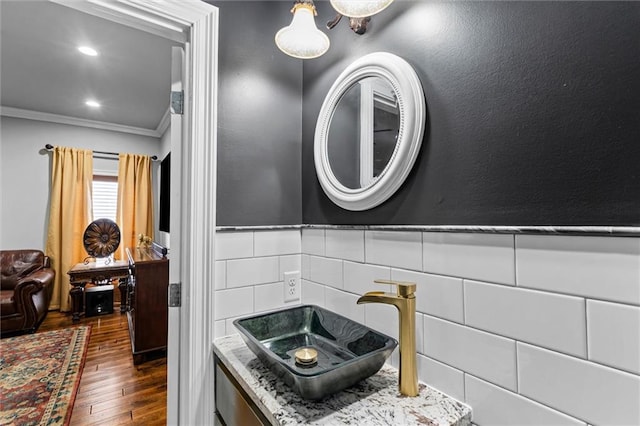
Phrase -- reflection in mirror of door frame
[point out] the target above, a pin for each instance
(191, 400)
(412, 107)
(372, 93)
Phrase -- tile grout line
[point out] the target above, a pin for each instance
(364, 247)
(515, 262)
(518, 394)
(517, 366)
(464, 302)
(324, 243)
(421, 251)
(586, 329)
(515, 283)
(464, 387)
(536, 345)
(253, 244)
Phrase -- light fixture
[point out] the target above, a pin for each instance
(89, 51)
(359, 8)
(92, 103)
(358, 12)
(302, 39)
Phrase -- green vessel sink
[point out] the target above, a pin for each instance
(346, 351)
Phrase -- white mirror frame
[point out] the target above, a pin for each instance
(412, 106)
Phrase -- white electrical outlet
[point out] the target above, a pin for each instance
(292, 286)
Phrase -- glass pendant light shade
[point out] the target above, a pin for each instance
(359, 8)
(302, 39)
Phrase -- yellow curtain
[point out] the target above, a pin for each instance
(134, 214)
(69, 214)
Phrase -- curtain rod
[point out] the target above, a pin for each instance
(49, 147)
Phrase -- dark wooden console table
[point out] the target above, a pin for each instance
(92, 273)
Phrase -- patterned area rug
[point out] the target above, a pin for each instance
(39, 376)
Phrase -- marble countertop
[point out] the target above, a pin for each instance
(624, 231)
(374, 401)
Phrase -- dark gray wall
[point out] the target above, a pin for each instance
(260, 118)
(533, 112)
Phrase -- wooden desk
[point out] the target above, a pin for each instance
(82, 274)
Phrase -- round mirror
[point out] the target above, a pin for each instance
(369, 131)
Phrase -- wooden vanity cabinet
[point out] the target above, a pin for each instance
(147, 300)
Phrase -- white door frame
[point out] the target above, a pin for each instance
(178, 133)
(194, 23)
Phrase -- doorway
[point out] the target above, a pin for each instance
(190, 378)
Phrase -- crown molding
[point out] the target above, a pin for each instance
(164, 123)
(159, 17)
(73, 121)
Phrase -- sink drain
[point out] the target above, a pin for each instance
(306, 357)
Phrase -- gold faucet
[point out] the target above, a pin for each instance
(405, 301)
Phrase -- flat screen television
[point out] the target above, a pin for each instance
(165, 192)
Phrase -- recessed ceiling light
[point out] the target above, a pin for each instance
(89, 51)
(92, 103)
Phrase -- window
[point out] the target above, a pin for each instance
(105, 197)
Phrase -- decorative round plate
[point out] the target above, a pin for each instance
(101, 238)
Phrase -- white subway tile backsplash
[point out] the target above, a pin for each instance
(268, 296)
(275, 243)
(382, 318)
(592, 392)
(290, 304)
(550, 320)
(345, 244)
(598, 267)
(229, 327)
(219, 328)
(306, 266)
(394, 248)
(326, 271)
(493, 405)
(233, 302)
(289, 264)
(344, 304)
(313, 241)
(233, 245)
(436, 295)
(312, 294)
(420, 333)
(482, 354)
(485, 257)
(257, 270)
(221, 274)
(394, 359)
(614, 334)
(468, 321)
(359, 277)
(442, 377)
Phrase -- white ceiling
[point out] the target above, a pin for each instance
(41, 69)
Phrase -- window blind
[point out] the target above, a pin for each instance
(105, 197)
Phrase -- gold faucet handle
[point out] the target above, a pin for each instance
(404, 288)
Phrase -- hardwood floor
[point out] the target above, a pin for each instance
(112, 390)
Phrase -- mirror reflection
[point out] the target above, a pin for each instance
(363, 132)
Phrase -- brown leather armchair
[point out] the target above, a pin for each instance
(26, 286)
